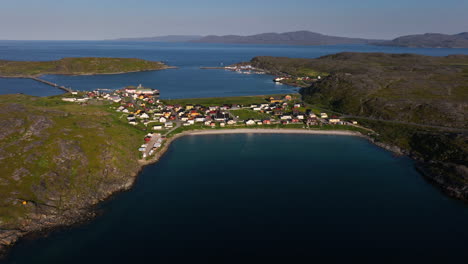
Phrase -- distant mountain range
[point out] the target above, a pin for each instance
(169, 38)
(429, 40)
(288, 38)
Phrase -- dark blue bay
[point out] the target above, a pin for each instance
(263, 198)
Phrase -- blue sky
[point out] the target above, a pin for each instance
(105, 19)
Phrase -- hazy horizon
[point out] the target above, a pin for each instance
(106, 19)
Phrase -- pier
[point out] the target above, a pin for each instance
(37, 79)
(68, 90)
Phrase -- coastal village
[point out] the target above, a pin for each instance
(143, 108)
(301, 81)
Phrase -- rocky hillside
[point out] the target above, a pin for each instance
(77, 66)
(417, 104)
(429, 40)
(57, 159)
(405, 87)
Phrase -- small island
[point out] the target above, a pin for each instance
(78, 66)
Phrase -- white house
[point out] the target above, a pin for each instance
(168, 125)
(159, 127)
(334, 120)
(200, 119)
(144, 116)
(250, 122)
(323, 115)
(162, 119)
(286, 117)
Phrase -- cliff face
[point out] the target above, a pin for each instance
(58, 159)
(416, 103)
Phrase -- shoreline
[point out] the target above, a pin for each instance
(169, 141)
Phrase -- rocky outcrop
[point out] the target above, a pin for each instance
(57, 162)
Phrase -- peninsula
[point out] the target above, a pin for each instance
(61, 155)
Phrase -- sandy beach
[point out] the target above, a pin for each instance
(164, 148)
(273, 131)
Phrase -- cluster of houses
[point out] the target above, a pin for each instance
(190, 114)
(290, 78)
(117, 96)
(152, 143)
(142, 106)
(245, 69)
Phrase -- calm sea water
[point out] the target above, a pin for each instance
(262, 198)
(188, 81)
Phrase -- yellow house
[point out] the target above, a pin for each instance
(188, 107)
(275, 100)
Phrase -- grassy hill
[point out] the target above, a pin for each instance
(416, 103)
(77, 66)
(57, 159)
(405, 87)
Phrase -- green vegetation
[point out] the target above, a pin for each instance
(246, 114)
(60, 157)
(77, 66)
